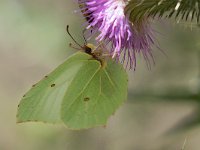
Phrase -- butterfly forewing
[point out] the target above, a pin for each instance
(43, 101)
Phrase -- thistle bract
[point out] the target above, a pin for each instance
(125, 38)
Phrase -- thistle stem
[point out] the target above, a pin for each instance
(198, 54)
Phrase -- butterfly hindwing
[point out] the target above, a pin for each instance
(97, 99)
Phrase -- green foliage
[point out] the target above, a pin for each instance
(80, 92)
(188, 122)
(186, 10)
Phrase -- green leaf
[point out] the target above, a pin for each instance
(80, 92)
(186, 123)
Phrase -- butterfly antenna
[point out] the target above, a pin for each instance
(84, 36)
(72, 36)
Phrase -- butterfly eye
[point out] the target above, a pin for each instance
(88, 50)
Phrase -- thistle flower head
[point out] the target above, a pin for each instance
(126, 39)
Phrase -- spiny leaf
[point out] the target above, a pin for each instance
(186, 10)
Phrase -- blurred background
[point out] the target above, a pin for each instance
(163, 107)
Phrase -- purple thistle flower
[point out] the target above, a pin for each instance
(127, 39)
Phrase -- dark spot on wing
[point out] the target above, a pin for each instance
(53, 85)
(86, 99)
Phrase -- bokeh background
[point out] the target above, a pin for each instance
(162, 110)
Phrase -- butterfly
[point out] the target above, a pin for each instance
(79, 93)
